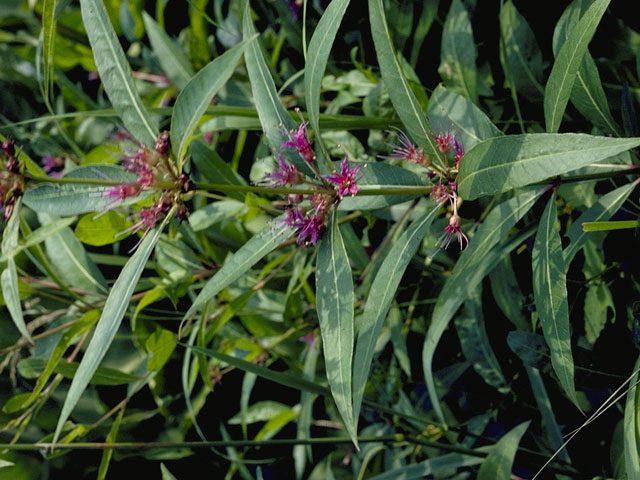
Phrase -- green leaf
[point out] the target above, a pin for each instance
(160, 346)
(211, 165)
(631, 438)
(274, 118)
(446, 463)
(172, 59)
(100, 230)
(334, 304)
(241, 261)
(402, 97)
(507, 293)
(522, 59)
(34, 367)
(472, 266)
(529, 347)
(107, 327)
(567, 63)
(381, 294)
(448, 110)
(550, 295)
(502, 163)
(499, 462)
(602, 210)
(48, 46)
(115, 73)
(458, 53)
(597, 302)
(259, 412)
(166, 474)
(587, 94)
(9, 277)
(197, 95)
(72, 199)
(475, 342)
(317, 56)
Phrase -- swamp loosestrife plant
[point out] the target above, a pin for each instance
(348, 262)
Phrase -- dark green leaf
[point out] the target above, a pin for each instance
(499, 462)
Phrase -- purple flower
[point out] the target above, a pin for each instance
(299, 141)
(346, 179)
(408, 151)
(294, 5)
(458, 149)
(444, 141)
(453, 230)
(51, 165)
(285, 174)
(122, 192)
(308, 228)
(440, 194)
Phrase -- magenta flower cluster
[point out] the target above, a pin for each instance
(11, 178)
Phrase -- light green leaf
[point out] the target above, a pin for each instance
(567, 63)
(474, 263)
(100, 230)
(381, 294)
(449, 110)
(274, 118)
(603, 209)
(334, 304)
(112, 313)
(197, 95)
(458, 53)
(402, 97)
(115, 73)
(241, 261)
(631, 438)
(502, 163)
(48, 46)
(160, 346)
(499, 462)
(317, 56)
(259, 412)
(172, 59)
(550, 295)
(166, 474)
(522, 59)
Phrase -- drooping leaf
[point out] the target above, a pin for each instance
(550, 295)
(449, 110)
(402, 97)
(567, 64)
(334, 304)
(107, 327)
(474, 263)
(317, 56)
(172, 59)
(502, 163)
(197, 95)
(115, 73)
(379, 299)
(458, 53)
(499, 462)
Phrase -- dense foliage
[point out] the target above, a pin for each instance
(273, 239)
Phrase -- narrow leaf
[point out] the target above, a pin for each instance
(112, 314)
(567, 63)
(334, 304)
(446, 463)
(115, 73)
(550, 295)
(172, 59)
(381, 294)
(631, 438)
(197, 95)
(502, 163)
(474, 263)
(402, 97)
(240, 262)
(48, 45)
(317, 56)
(499, 462)
(458, 53)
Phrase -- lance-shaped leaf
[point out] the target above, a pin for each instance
(317, 56)
(458, 53)
(444, 463)
(112, 314)
(550, 295)
(449, 110)
(474, 263)
(197, 95)
(602, 210)
(170, 56)
(115, 73)
(631, 436)
(402, 97)
(502, 163)
(48, 44)
(274, 118)
(379, 300)
(567, 63)
(334, 303)
(237, 265)
(499, 462)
